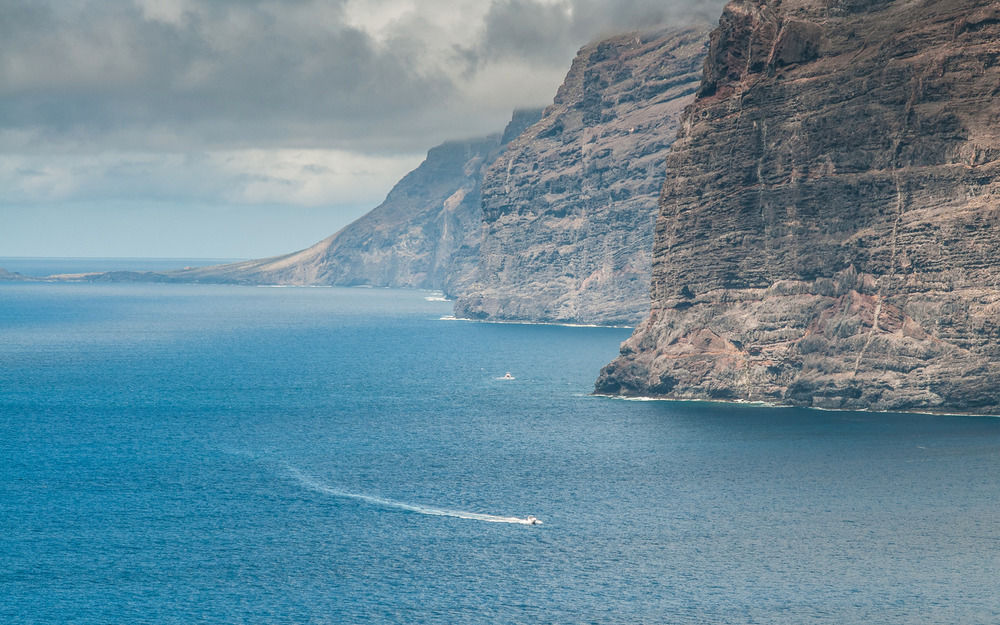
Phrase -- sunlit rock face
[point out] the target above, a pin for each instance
(829, 228)
(569, 208)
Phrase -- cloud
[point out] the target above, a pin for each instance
(376, 75)
(304, 177)
(304, 103)
(210, 74)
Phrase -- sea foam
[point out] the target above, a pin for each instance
(315, 485)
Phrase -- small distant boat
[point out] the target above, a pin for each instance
(507, 376)
(532, 520)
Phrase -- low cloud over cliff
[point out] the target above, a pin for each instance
(183, 100)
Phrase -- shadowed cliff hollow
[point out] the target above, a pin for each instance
(424, 235)
(569, 208)
(828, 232)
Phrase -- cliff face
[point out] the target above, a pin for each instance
(569, 208)
(424, 235)
(829, 230)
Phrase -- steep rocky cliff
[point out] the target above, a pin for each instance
(424, 235)
(569, 208)
(828, 232)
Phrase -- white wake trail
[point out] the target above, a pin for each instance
(319, 487)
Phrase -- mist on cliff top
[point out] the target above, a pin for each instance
(250, 127)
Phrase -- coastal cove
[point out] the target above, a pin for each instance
(178, 453)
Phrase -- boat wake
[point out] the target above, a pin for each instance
(319, 487)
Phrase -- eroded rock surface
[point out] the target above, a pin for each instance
(569, 208)
(829, 230)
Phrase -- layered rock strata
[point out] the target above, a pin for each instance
(569, 208)
(424, 235)
(829, 229)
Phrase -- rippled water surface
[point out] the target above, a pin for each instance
(180, 454)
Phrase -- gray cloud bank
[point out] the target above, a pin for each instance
(229, 108)
(376, 76)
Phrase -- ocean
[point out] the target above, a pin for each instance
(224, 454)
(42, 267)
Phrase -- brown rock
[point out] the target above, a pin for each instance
(569, 207)
(830, 214)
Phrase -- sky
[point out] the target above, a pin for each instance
(249, 128)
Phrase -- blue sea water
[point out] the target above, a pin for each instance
(194, 453)
(39, 267)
